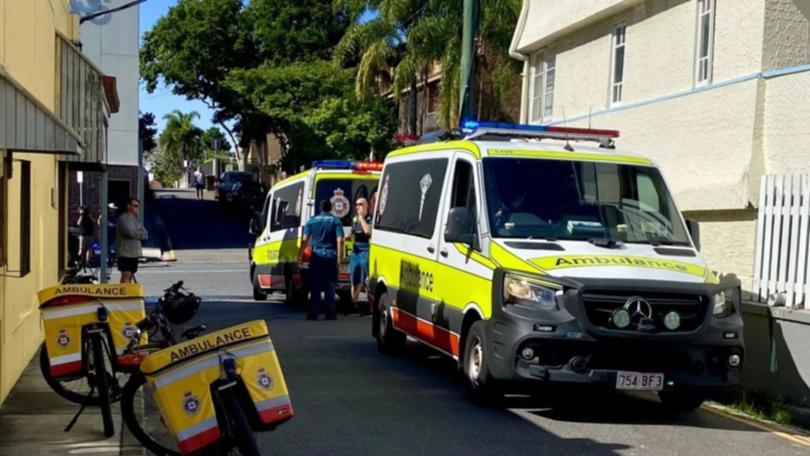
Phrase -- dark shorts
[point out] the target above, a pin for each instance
(126, 264)
(200, 186)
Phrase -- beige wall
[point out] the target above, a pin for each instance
(27, 50)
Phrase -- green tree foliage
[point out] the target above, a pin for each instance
(179, 141)
(215, 145)
(147, 129)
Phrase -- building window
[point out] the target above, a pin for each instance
(617, 64)
(542, 96)
(705, 42)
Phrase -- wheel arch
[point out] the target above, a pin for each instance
(379, 288)
(472, 313)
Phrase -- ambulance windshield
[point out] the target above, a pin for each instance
(343, 193)
(578, 200)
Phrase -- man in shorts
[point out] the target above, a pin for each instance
(358, 264)
(199, 182)
(129, 232)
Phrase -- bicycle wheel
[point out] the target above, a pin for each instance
(102, 386)
(143, 419)
(75, 388)
(241, 435)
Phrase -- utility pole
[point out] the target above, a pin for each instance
(105, 242)
(466, 94)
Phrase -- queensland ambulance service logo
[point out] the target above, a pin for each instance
(264, 380)
(129, 331)
(191, 404)
(424, 186)
(62, 339)
(383, 199)
(340, 204)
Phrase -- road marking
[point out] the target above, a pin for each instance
(775, 430)
(188, 271)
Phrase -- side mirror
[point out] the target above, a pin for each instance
(255, 227)
(460, 226)
(694, 231)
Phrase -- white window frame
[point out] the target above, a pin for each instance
(543, 72)
(704, 64)
(618, 40)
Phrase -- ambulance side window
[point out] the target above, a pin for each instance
(409, 197)
(464, 189)
(286, 207)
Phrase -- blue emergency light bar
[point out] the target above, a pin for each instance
(360, 166)
(476, 128)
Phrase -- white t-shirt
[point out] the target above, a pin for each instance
(198, 176)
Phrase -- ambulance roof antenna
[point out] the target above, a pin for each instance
(567, 143)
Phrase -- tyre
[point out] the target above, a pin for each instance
(75, 388)
(143, 419)
(258, 293)
(241, 434)
(102, 386)
(681, 401)
(480, 385)
(389, 340)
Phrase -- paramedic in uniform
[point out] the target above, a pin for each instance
(358, 264)
(324, 236)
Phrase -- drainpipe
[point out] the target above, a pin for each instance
(105, 244)
(524, 75)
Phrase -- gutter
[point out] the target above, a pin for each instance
(513, 52)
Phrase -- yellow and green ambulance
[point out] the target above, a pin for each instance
(533, 259)
(274, 255)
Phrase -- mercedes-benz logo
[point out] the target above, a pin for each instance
(638, 308)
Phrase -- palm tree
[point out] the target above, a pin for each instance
(179, 141)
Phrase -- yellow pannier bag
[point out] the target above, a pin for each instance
(65, 309)
(181, 376)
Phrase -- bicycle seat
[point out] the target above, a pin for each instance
(192, 333)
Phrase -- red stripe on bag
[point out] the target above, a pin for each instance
(200, 440)
(274, 414)
(66, 368)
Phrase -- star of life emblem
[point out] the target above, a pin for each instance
(383, 198)
(424, 185)
(340, 204)
(264, 380)
(62, 338)
(191, 404)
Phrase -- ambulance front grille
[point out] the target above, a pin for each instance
(599, 306)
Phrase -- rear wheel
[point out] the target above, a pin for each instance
(258, 293)
(75, 388)
(681, 401)
(295, 297)
(143, 419)
(481, 386)
(241, 434)
(389, 340)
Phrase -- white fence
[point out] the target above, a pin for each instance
(781, 272)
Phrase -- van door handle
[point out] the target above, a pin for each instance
(443, 252)
(431, 249)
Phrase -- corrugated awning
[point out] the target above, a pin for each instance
(27, 125)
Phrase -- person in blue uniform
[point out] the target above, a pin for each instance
(358, 264)
(323, 234)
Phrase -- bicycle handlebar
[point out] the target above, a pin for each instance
(175, 287)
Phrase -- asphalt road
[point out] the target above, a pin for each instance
(351, 400)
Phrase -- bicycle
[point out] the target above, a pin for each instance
(92, 339)
(215, 397)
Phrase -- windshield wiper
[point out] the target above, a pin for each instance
(606, 242)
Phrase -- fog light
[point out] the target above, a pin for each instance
(734, 360)
(543, 328)
(620, 318)
(527, 353)
(672, 321)
(729, 335)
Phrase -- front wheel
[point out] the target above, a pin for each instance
(481, 386)
(681, 401)
(241, 434)
(143, 419)
(258, 293)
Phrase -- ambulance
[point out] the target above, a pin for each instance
(541, 255)
(274, 255)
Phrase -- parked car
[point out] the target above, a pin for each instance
(226, 182)
(246, 196)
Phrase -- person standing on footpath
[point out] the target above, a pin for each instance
(358, 264)
(87, 230)
(129, 234)
(199, 181)
(323, 234)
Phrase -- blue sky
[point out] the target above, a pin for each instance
(162, 101)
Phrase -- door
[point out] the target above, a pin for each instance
(405, 241)
(466, 274)
(278, 244)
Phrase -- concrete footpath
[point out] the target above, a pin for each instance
(33, 419)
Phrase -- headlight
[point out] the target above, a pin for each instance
(722, 307)
(523, 291)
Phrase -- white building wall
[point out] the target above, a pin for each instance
(713, 143)
(112, 42)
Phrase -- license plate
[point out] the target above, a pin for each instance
(639, 381)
